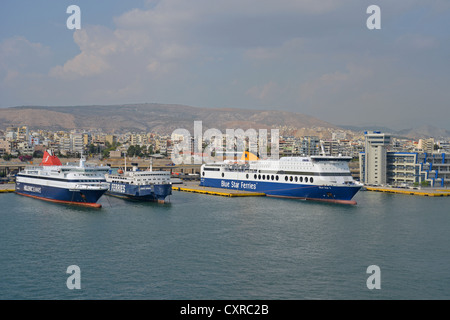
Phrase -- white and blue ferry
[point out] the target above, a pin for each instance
(321, 178)
(147, 185)
(80, 184)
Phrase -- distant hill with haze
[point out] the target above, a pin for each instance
(151, 117)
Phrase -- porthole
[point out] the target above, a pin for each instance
(276, 178)
(301, 179)
(272, 177)
(296, 179)
(286, 178)
(259, 177)
(223, 174)
(255, 176)
(290, 178)
(311, 180)
(246, 175)
(264, 177)
(306, 179)
(203, 173)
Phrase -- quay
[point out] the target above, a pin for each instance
(415, 192)
(7, 187)
(195, 188)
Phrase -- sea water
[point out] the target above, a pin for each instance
(211, 247)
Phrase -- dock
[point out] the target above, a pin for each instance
(195, 188)
(414, 192)
(7, 187)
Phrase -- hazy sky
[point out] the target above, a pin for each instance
(308, 56)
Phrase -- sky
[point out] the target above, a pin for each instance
(313, 57)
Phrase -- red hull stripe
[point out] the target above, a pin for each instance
(84, 204)
(352, 202)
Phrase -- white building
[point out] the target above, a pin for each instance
(373, 163)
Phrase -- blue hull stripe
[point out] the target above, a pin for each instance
(301, 191)
(59, 194)
(144, 192)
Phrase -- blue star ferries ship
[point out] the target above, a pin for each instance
(81, 184)
(320, 178)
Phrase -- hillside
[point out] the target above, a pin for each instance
(151, 117)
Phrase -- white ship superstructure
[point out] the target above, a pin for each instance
(81, 184)
(321, 178)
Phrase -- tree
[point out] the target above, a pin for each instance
(92, 149)
(425, 183)
(131, 151)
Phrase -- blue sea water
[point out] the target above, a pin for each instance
(208, 247)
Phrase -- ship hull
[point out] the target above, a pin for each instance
(87, 198)
(325, 193)
(152, 193)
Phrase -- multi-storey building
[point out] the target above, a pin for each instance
(413, 169)
(310, 146)
(373, 161)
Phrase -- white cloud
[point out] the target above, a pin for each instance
(305, 55)
(22, 55)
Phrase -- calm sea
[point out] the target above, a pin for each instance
(208, 247)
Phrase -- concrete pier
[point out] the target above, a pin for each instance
(195, 188)
(7, 187)
(415, 192)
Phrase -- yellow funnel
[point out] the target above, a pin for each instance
(249, 156)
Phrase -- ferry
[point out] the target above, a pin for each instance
(80, 184)
(319, 178)
(147, 185)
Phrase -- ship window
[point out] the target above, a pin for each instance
(306, 179)
(301, 179)
(259, 176)
(296, 179)
(264, 177)
(255, 176)
(286, 178)
(203, 173)
(273, 177)
(277, 178)
(246, 175)
(290, 178)
(223, 174)
(311, 180)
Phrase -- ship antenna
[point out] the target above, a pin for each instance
(82, 160)
(321, 147)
